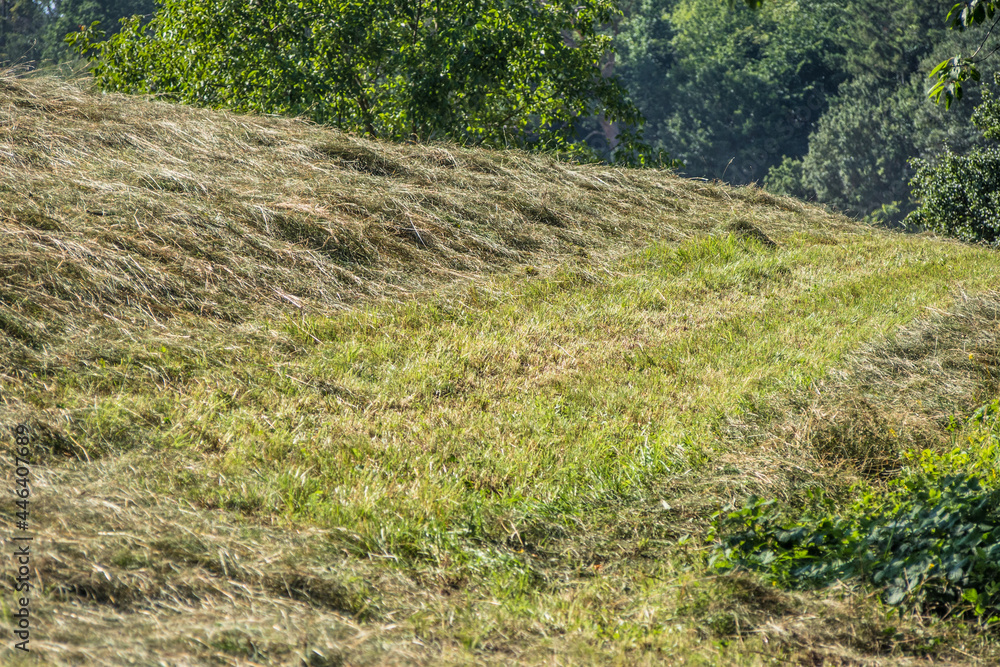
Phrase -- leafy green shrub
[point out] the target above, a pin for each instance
(931, 541)
(959, 195)
(491, 72)
(787, 179)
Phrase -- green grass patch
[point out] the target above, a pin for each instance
(498, 416)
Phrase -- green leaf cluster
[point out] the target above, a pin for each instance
(951, 73)
(492, 72)
(931, 541)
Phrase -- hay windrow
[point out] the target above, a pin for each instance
(907, 393)
(159, 208)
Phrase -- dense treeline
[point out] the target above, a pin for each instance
(489, 72)
(821, 99)
(728, 91)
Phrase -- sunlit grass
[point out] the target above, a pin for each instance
(273, 427)
(479, 434)
(430, 426)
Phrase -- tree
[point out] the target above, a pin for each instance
(857, 159)
(953, 72)
(20, 26)
(959, 195)
(887, 42)
(493, 72)
(729, 92)
(859, 152)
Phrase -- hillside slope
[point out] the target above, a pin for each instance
(297, 397)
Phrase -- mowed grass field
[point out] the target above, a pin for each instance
(298, 398)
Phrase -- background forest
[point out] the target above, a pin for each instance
(821, 99)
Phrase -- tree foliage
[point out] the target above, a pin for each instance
(859, 151)
(959, 195)
(493, 72)
(69, 15)
(32, 31)
(20, 24)
(853, 162)
(730, 92)
(888, 43)
(952, 72)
